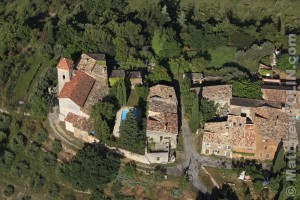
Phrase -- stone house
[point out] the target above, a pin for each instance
(220, 95)
(195, 77)
(79, 90)
(162, 121)
(135, 78)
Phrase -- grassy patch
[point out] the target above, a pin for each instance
(22, 87)
(221, 55)
(113, 81)
(132, 99)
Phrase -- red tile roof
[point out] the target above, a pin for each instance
(78, 88)
(65, 64)
(79, 122)
(164, 122)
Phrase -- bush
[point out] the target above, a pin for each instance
(27, 197)
(9, 190)
(56, 146)
(37, 182)
(49, 160)
(21, 169)
(54, 190)
(41, 137)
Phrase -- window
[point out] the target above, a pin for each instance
(161, 138)
(228, 147)
(266, 147)
(207, 144)
(64, 77)
(220, 146)
(267, 156)
(158, 158)
(260, 155)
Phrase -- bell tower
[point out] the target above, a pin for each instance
(64, 72)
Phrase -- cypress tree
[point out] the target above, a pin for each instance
(195, 116)
(279, 163)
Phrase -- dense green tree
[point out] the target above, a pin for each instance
(37, 182)
(208, 109)
(194, 120)
(131, 136)
(283, 63)
(54, 190)
(279, 162)
(9, 190)
(92, 168)
(246, 89)
(164, 43)
(158, 74)
(105, 109)
(56, 146)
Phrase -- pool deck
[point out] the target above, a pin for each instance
(118, 119)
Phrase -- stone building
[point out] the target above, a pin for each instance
(162, 123)
(79, 90)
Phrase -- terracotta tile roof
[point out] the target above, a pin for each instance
(245, 102)
(98, 92)
(117, 73)
(90, 65)
(194, 75)
(78, 88)
(79, 122)
(277, 94)
(158, 105)
(135, 74)
(163, 92)
(271, 122)
(65, 64)
(217, 92)
(163, 122)
(235, 132)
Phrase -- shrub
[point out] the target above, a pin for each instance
(37, 182)
(56, 146)
(41, 137)
(27, 197)
(9, 190)
(54, 190)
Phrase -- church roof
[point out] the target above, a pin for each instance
(78, 88)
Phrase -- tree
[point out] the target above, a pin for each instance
(208, 109)
(164, 43)
(132, 137)
(105, 109)
(279, 163)
(158, 74)
(9, 190)
(283, 63)
(121, 92)
(92, 168)
(56, 146)
(54, 190)
(194, 120)
(37, 182)
(41, 137)
(246, 89)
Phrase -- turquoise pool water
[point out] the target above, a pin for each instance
(124, 113)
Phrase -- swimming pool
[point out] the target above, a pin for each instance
(124, 113)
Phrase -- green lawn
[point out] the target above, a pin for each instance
(221, 55)
(132, 99)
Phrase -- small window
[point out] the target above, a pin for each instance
(161, 138)
(158, 158)
(267, 156)
(266, 147)
(64, 77)
(260, 155)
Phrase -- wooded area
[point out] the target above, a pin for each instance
(216, 37)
